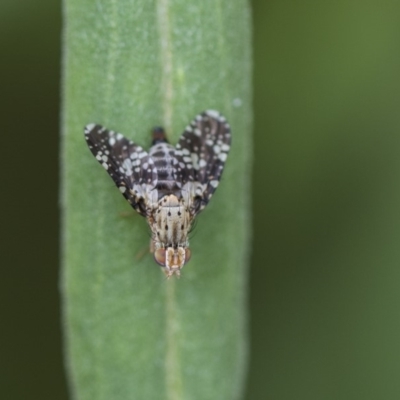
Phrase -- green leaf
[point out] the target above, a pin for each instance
(130, 333)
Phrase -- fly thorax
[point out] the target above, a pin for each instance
(171, 223)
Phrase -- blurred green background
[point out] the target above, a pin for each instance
(325, 277)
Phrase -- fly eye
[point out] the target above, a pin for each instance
(159, 257)
(188, 254)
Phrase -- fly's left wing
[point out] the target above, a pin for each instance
(129, 166)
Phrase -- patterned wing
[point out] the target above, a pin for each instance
(202, 151)
(129, 166)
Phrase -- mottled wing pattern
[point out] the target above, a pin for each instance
(202, 151)
(129, 166)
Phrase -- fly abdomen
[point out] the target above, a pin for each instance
(162, 155)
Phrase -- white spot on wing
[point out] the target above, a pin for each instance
(225, 147)
(222, 156)
(213, 113)
(217, 149)
(195, 161)
(127, 164)
(89, 127)
(214, 184)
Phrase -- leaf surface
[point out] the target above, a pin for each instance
(131, 334)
